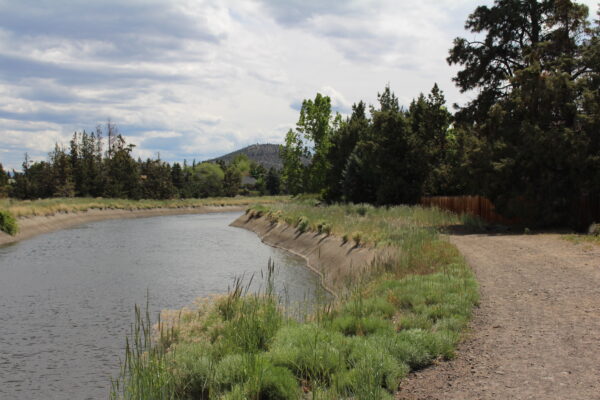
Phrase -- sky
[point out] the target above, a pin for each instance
(195, 79)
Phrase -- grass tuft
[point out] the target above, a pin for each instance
(8, 223)
(405, 311)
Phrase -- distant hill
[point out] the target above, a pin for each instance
(266, 155)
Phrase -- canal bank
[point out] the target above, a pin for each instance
(334, 260)
(36, 225)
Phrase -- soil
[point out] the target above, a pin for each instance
(327, 255)
(536, 332)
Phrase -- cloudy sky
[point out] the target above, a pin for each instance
(196, 79)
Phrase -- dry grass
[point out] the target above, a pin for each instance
(577, 239)
(373, 226)
(46, 207)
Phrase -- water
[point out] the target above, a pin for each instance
(67, 298)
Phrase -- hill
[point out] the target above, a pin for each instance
(266, 155)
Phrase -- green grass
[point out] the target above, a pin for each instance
(8, 223)
(407, 311)
(375, 226)
(591, 239)
(26, 208)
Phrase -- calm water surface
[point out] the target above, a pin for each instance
(67, 298)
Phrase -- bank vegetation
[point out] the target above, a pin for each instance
(407, 310)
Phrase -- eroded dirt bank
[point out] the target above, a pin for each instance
(536, 334)
(32, 226)
(334, 260)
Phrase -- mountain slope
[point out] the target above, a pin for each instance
(266, 155)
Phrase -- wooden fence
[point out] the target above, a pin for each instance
(583, 213)
(475, 205)
(587, 211)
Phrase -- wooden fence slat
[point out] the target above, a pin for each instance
(474, 205)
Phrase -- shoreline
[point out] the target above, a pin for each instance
(327, 256)
(37, 225)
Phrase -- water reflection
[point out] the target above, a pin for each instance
(66, 298)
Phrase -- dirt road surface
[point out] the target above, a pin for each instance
(536, 333)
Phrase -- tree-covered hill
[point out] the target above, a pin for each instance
(266, 155)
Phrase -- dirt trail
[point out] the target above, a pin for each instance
(536, 333)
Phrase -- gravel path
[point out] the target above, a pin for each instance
(536, 333)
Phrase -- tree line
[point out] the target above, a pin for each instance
(529, 140)
(94, 166)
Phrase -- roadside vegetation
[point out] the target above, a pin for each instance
(408, 310)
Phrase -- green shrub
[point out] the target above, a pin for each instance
(373, 365)
(231, 371)
(309, 351)
(302, 224)
(373, 306)
(192, 368)
(8, 223)
(272, 383)
(351, 325)
(252, 376)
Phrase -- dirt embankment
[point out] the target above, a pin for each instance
(536, 333)
(335, 261)
(32, 226)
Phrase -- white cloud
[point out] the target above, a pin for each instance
(195, 79)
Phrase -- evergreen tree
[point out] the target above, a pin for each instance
(343, 142)
(61, 184)
(273, 182)
(123, 177)
(4, 178)
(177, 177)
(533, 114)
(232, 180)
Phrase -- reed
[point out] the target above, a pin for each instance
(407, 311)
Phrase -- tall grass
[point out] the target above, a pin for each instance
(26, 208)
(408, 310)
(377, 226)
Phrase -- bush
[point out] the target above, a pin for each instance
(309, 351)
(374, 366)
(374, 306)
(252, 376)
(302, 224)
(351, 325)
(8, 223)
(192, 369)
